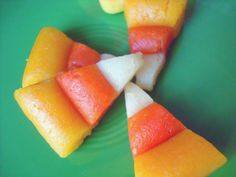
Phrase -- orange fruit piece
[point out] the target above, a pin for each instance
(186, 154)
(89, 91)
(53, 115)
(48, 56)
(150, 127)
(168, 13)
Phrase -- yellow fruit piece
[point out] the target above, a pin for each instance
(112, 6)
(53, 115)
(155, 13)
(48, 56)
(185, 155)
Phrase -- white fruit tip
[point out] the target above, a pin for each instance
(105, 56)
(147, 75)
(120, 70)
(135, 99)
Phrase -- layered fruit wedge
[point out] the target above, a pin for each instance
(161, 145)
(152, 26)
(66, 108)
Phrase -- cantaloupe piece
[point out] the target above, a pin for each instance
(186, 154)
(168, 13)
(53, 115)
(48, 56)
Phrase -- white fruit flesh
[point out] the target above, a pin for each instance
(135, 99)
(106, 56)
(120, 70)
(147, 75)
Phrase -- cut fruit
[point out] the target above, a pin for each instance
(48, 56)
(120, 70)
(82, 55)
(186, 154)
(147, 75)
(112, 6)
(150, 127)
(149, 124)
(89, 90)
(150, 39)
(106, 56)
(135, 99)
(53, 115)
(92, 89)
(168, 13)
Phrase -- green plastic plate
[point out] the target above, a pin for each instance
(198, 85)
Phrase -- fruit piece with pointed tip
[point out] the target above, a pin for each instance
(149, 123)
(92, 89)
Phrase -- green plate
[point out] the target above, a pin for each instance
(198, 85)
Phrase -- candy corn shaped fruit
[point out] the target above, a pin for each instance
(112, 6)
(92, 89)
(150, 39)
(147, 75)
(105, 56)
(168, 13)
(186, 154)
(149, 124)
(161, 145)
(82, 55)
(53, 115)
(48, 56)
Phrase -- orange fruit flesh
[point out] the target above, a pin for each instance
(48, 56)
(53, 115)
(186, 154)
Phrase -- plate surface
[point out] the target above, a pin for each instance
(198, 85)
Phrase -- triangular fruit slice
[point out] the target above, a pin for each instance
(92, 89)
(168, 13)
(186, 154)
(150, 39)
(149, 124)
(48, 56)
(147, 75)
(53, 115)
(82, 55)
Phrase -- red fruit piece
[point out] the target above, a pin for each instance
(82, 55)
(150, 127)
(150, 39)
(90, 92)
